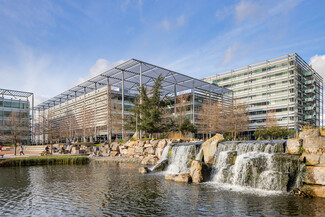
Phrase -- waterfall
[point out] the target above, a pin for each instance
(260, 164)
(180, 157)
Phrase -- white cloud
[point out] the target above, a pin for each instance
(318, 63)
(100, 66)
(230, 53)
(247, 10)
(165, 24)
(180, 20)
(173, 23)
(223, 13)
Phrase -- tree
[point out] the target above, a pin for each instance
(237, 119)
(271, 121)
(187, 127)
(18, 128)
(150, 111)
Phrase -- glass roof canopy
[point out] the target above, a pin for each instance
(15, 93)
(131, 74)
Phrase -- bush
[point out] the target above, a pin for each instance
(44, 160)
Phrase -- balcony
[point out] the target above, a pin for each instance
(309, 108)
(308, 73)
(310, 99)
(308, 117)
(309, 81)
(311, 90)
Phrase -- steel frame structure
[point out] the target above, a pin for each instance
(128, 76)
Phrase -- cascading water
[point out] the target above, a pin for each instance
(260, 164)
(180, 157)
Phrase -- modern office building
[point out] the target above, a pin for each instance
(16, 116)
(99, 107)
(286, 86)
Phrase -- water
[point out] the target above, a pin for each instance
(180, 157)
(262, 165)
(110, 189)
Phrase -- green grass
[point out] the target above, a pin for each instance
(44, 160)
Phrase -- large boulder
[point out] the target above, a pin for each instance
(199, 171)
(294, 146)
(314, 145)
(170, 177)
(139, 150)
(315, 175)
(185, 177)
(314, 190)
(141, 143)
(311, 133)
(148, 145)
(310, 159)
(158, 152)
(210, 148)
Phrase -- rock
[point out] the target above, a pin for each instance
(141, 143)
(210, 148)
(159, 151)
(314, 145)
(322, 159)
(311, 133)
(196, 171)
(199, 171)
(143, 170)
(162, 144)
(185, 177)
(315, 175)
(314, 190)
(147, 142)
(149, 150)
(294, 146)
(310, 159)
(131, 151)
(149, 160)
(170, 177)
(154, 143)
(115, 146)
(161, 165)
(148, 145)
(114, 153)
(132, 143)
(139, 150)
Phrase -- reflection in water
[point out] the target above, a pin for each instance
(101, 189)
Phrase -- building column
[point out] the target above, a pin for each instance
(193, 101)
(140, 98)
(95, 112)
(123, 104)
(109, 112)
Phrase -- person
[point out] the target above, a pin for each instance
(47, 149)
(62, 150)
(21, 150)
(0, 148)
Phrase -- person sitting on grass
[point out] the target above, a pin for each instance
(47, 149)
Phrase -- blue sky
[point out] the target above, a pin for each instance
(49, 46)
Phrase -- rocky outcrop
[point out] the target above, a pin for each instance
(210, 148)
(294, 146)
(312, 152)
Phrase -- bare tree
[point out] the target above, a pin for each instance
(17, 126)
(271, 121)
(237, 118)
(116, 117)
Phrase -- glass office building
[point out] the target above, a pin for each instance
(15, 116)
(285, 85)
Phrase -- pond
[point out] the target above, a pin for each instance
(116, 189)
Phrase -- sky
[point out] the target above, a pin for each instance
(48, 46)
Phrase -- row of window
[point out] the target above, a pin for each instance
(17, 105)
(257, 71)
